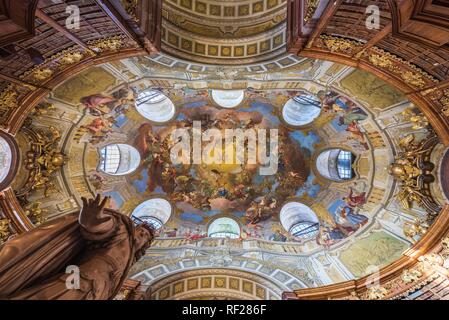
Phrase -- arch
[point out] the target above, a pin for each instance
(336, 164)
(299, 220)
(224, 227)
(119, 159)
(228, 98)
(211, 283)
(155, 106)
(156, 212)
(301, 110)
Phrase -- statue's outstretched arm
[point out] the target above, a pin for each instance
(94, 220)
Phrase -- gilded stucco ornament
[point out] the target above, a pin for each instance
(411, 275)
(416, 229)
(413, 169)
(311, 6)
(444, 100)
(408, 72)
(418, 119)
(57, 63)
(376, 293)
(109, 44)
(8, 98)
(35, 213)
(42, 161)
(42, 109)
(339, 45)
(42, 74)
(382, 61)
(439, 97)
(131, 8)
(5, 231)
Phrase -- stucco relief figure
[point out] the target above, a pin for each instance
(104, 244)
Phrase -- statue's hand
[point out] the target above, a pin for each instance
(92, 212)
(94, 206)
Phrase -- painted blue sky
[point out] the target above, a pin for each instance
(306, 141)
(192, 217)
(141, 185)
(311, 189)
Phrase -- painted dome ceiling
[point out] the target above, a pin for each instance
(224, 32)
(328, 195)
(273, 145)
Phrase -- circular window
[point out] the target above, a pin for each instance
(301, 110)
(336, 164)
(228, 98)
(155, 106)
(5, 159)
(299, 220)
(9, 159)
(119, 159)
(154, 212)
(224, 228)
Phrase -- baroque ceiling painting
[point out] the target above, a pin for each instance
(270, 149)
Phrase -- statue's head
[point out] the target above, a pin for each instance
(143, 237)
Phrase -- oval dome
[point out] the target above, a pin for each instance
(228, 98)
(224, 228)
(301, 110)
(155, 106)
(119, 159)
(299, 220)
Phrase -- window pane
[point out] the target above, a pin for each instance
(344, 164)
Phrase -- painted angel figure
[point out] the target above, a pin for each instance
(101, 243)
(353, 200)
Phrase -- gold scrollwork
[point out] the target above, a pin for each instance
(109, 44)
(35, 213)
(376, 293)
(339, 45)
(5, 231)
(312, 5)
(42, 161)
(131, 8)
(408, 72)
(413, 169)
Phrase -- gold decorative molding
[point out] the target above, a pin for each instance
(338, 45)
(42, 161)
(35, 213)
(413, 169)
(407, 71)
(108, 44)
(312, 5)
(5, 231)
(56, 63)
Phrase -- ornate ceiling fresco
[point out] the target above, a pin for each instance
(334, 203)
(352, 124)
(217, 32)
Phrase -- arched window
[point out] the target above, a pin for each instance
(228, 98)
(224, 228)
(299, 220)
(155, 106)
(336, 164)
(119, 159)
(154, 212)
(5, 159)
(301, 110)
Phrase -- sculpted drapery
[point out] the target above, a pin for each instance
(102, 243)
